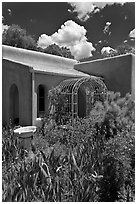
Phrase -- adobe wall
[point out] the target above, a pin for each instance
(49, 81)
(133, 77)
(14, 73)
(118, 72)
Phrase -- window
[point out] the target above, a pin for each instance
(41, 99)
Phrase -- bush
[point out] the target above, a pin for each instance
(89, 160)
(109, 132)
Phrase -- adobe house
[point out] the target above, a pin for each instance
(27, 76)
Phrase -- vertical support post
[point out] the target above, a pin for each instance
(133, 77)
(72, 106)
(34, 99)
(76, 102)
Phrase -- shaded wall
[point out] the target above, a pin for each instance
(21, 76)
(118, 72)
(81, 102)
(14, 104)
(133, 77)
(14, 73)
(49, 81)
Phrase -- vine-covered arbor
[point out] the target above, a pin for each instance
(82, 93)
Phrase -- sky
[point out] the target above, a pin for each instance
(82, 27)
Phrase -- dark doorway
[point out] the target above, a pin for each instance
(81, 102)
(14, 105)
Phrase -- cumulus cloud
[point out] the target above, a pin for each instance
(82, 50)
(107, 50)
(84, 9)
(44, 41)
(132, 33)
(72, 36)
(69, 34)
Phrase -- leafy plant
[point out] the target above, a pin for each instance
(90, 161)
(58, 106)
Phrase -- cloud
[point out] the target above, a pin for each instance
(72, 36)
(107, 50)
(132, 33)
(84, 9)
(82, 50)
(9, 11)
(44, 41)
(69, 34)
(107, 27)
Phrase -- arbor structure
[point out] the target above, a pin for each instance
(82, 93)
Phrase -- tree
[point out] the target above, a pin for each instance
(60, 51)
(125, 48)
(17, 37)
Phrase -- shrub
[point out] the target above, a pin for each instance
(89, 160)
(109, 132)
(58, 106)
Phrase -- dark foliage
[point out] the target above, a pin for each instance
(91, 161)
(60, 51)
(17, 37)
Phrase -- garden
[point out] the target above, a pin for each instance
(89, 159)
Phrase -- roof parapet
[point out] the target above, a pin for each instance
(106, 58)
(35, 58)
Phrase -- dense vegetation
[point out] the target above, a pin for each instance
(92, 159)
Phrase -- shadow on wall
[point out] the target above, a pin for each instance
(14, 105)
(81, 102)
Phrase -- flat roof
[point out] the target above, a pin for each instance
(41, 62)
(105, 59)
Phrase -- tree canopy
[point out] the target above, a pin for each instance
(17, 37)
(60, 51)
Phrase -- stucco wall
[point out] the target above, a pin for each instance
(133, 77)
(117, 72)
(14, 73)
(49, 82)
